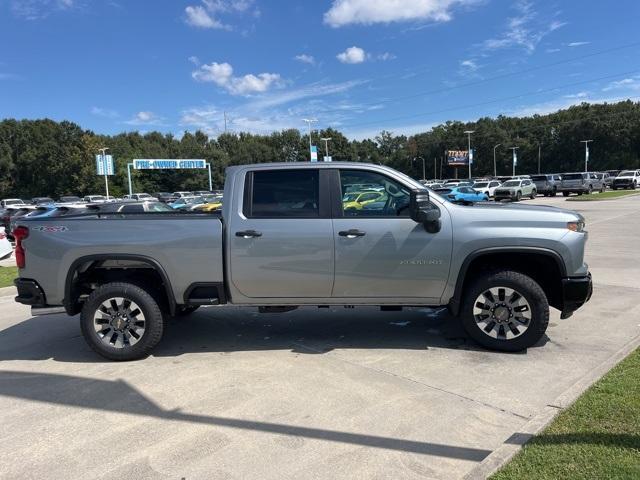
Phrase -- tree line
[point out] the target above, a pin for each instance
(44, 157)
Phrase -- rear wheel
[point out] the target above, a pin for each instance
(533, 194)
(121, 321)
(505, 310)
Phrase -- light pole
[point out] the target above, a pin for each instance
(495, 170)
(515, 160)
(469, 132)
(309, 122)
(424, 172)
(539, 155)
(326, 145)
(104, 169)
(586, 154)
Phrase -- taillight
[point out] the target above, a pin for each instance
(20, 233)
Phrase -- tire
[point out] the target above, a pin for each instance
(635, 185)
(186, 310)
(518, 196)
(590, 190)
(565, 194)
(533, 194)
(554, 192)
(515, 332)
(147, 324)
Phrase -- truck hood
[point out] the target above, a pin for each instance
(520, 212)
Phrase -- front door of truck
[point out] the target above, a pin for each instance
(281, 243)
(380, 251)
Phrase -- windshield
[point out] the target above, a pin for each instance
(481, 184)
(627, 173)
(511, 183)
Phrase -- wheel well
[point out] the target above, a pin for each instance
(542, 267)
(87, 275)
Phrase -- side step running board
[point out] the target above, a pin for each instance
(36, 311)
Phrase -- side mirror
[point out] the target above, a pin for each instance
(422, 211)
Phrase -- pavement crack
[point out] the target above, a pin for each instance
(417, 382)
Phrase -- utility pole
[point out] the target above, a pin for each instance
(539, 155)
(309, 121)
(104, 169)
(586, 154)
(435, 168)
(515, 160)
(469, 132)
(326, 145)
(495, 169)
(424, 173)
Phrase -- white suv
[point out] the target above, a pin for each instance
(626, 179)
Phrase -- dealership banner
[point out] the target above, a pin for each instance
(168, 164)
(457, 158)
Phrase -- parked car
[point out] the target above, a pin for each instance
(186, 203)
(515, 190)
(165, 197)
(547, 184)
(213, 203)
(201, 193)
(287, 242)
(11, 202)
(488, 187)
(605, 178)
(69, 199)
(182, 194)
(41, 200)
(129, 206)
(626, 179)
(95, 199)
(357, 200)
(15, 214)
(462, 194)
(613, 174)
(141, 197)
(580, 182)
(5, 245)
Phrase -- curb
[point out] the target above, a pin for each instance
(512, 445)
(8, 292)
(569, 199)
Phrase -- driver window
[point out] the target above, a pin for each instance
(370, 194)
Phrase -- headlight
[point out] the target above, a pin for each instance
(577, 226)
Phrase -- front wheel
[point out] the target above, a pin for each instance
(518, 196)
(505, 310)
(121, 321)
(533, 194)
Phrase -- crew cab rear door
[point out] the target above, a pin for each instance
(380, 251)
(280, 237)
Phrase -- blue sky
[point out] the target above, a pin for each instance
(357, 65)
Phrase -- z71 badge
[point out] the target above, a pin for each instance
(50, 228)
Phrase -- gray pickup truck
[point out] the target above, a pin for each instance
(288, 237)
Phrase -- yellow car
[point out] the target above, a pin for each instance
(211, 204)
(356, 200)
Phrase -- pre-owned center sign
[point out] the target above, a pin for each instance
(168, 164)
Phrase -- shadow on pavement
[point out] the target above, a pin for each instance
(119, 397)
(307, 330)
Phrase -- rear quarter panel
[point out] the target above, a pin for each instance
(188, 249)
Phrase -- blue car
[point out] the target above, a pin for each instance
(462, 194)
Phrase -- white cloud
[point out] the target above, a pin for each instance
(367, 12)
(386, 56)
(352, 55)
(469, 65)
(39, 9)
(195, 60)
(207, 13)
(104, 112)
(626, 84)
(577, 44)
(525, 30)
(198, 17)
(222, 75)
(577, 95)
(304, 58)
(145, 118)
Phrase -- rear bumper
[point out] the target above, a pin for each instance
(30, 293)
(576, 291)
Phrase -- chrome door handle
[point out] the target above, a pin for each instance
(353, 233)
(248, 234)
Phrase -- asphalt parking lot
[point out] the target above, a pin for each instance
(306, 394)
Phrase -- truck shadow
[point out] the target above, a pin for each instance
(307, 330)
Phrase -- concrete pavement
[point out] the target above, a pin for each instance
(306, 394)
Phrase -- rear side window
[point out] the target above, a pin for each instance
(284, 193)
